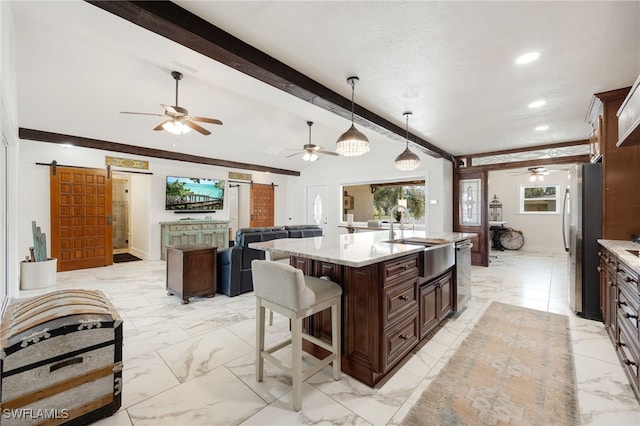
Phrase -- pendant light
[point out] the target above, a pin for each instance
(407, 160)
(352, 143)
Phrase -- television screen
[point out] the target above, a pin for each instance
(194, 194)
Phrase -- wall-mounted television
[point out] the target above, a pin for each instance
(185, 194)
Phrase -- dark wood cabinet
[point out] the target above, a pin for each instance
(621, 290)
(380, 319)
(436, 302)
(620, 171)
(191, 270)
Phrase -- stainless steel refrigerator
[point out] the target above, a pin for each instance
(582, 227)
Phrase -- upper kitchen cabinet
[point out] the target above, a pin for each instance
(620, 171)
(594, 117)
(629, 118)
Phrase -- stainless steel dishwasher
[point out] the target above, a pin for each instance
(463, 273)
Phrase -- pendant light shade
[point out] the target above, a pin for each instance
(407, 160)
(352, 143)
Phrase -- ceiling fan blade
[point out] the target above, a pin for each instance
(322, 151)
(205, 120)
(294, 154)
(194, 126)
(159, 126)
(142, 113)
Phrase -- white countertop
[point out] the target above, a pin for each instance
(619, 248)
(354, 250)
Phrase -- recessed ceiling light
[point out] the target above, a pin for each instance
(536, 104)
(527, 57)
(542, 128)
(66, 145)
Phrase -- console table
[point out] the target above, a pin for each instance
(209, 232)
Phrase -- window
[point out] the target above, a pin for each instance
(539, 199)
(373, 201)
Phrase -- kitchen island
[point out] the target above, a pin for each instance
(389, 302)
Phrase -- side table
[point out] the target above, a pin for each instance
(191, 271)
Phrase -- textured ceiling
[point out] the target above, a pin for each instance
(451, 63)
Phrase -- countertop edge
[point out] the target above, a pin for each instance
(619, 248)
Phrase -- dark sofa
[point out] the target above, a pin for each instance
(234, 263)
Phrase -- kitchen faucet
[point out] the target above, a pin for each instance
(392, 218)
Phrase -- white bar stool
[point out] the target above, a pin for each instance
(287, 291)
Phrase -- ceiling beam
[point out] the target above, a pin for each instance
(181, 26)
(42, 136)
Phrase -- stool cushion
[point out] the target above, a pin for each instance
(288, 287)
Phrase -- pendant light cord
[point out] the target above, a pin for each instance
(353, 85)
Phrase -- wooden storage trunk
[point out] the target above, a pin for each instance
(61, 360)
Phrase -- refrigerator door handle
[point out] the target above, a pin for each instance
(564, 218)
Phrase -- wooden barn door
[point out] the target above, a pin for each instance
(80, 217)
(261, 205)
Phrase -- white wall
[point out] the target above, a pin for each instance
(542, 232)
(147, 192)
(10, 256)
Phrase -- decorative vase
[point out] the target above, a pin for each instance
(35, 275)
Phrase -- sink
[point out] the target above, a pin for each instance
(421, 241)
(438, 255)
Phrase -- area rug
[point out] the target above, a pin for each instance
(515, 367)
(124, 257)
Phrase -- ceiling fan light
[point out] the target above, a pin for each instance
(176, 127)
(352, 143)
(407, 160)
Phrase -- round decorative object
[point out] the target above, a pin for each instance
(512, 239)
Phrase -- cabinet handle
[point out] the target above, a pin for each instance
(629, 362)
(611, 283)
(620, 344)
(405, 267)
(621, 303)
(599, 269)
(404, 337)
(403, 297)
(628, 315)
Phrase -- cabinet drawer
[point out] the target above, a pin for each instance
(399, 339)
(395, 269)
(214, 226)
(399, 299)
(629, 358)
(192, 227)
(179, 227)
(627, 316)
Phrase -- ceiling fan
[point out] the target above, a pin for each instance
(177, 119)
(537, 173)
(311, 151)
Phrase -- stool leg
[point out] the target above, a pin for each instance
(335, 337)
(259, 339)
(296, 347)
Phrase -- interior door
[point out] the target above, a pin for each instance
(261, 205)
(317, 205)
(81, 234)
(471, 211)
(121, 200)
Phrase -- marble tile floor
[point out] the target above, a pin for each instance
(194, 364)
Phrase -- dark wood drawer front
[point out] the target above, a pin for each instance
(399, 299)
(400, 339)
(629, 358)
(627, 314)
(400, 268)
